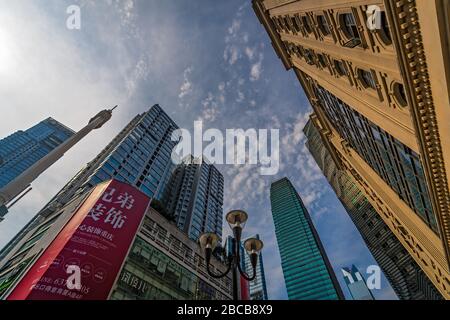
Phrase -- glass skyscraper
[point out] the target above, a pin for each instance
(356, 284)
(194, 196)
(22, 149)
(258, 287)
(139, 155)
(307, 271)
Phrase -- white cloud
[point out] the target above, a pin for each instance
(50, 74)
(256, 69)
(186, 86)
(250, 53)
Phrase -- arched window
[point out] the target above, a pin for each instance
(349, 27)
(385, 31)
(323, 25)
(367, 79)
(340, 68)
(400, 94)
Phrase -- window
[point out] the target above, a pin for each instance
(385, 32)
(340, 68)
(287, 26)
(367, 79)
(309, 56)
(321, 60)
(323, 25)
(399, 94)
(306, 24)
(349, 26)
(350, 29)
(295, 23)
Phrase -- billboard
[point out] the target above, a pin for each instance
(91, 247)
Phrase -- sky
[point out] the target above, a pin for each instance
(199, 60)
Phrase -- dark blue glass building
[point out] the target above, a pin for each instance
(307, 271)
(22, 149)
(139, 155)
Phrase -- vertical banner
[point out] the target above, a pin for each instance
(91, 248)
(245, 289)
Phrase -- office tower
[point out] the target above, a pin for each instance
(194, 196)
(58, 140)
(405, 276)
(258, 287)
(142, 257)
(307, 271)
(356, 284)
(377, 76)
(139, 155)
(24, 148)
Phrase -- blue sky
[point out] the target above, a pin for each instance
(199, 61)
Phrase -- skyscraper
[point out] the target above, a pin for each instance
(20, 185)
(377, 76)
(307, 271)
(258, 287)
(24, 148)
(194, 196)
(143, 257)
(403, 273)
(356, 284)
(139, 155)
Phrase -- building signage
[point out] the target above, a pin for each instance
(95, 241)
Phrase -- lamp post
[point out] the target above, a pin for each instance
(208, 241)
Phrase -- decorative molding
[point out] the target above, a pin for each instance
(403, 16)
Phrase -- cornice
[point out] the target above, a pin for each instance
(402, 15)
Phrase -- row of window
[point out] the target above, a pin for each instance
(399, 166)
(310, 23)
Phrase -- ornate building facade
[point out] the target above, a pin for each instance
(376, 73)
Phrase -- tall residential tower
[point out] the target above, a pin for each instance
(194, 196)
(139, 155)
(163, 262)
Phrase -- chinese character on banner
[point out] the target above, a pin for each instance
(97, 238)
(115, 218)
(97, 211)
(108, 195)
(125, 200)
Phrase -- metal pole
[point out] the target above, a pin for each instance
(235, 282)
(234, 249)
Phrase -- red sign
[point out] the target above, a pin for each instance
(245, 289)
(95, 241)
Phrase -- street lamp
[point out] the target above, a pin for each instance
(208, 242)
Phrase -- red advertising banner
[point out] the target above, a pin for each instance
(245, 289)
(95, 241)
